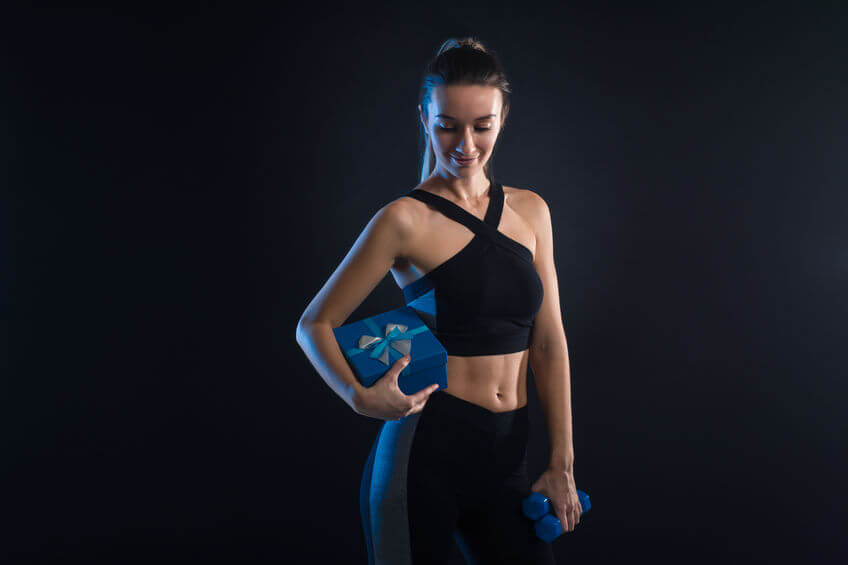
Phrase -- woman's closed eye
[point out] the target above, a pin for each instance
(452, 129)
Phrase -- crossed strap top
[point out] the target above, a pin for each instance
(482, 300)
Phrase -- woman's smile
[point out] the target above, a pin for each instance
(463, 162)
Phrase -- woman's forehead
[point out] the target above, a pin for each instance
(466, 101)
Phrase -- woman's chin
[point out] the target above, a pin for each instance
(464, 169)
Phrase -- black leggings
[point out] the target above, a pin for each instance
(454, 472)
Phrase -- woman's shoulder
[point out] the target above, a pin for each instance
(405, 205)
(527, 202)
(405, 213)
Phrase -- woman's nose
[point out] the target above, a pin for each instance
(465, 147)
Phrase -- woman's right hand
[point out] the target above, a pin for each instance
(386, 401)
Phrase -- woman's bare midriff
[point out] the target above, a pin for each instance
(495, 382)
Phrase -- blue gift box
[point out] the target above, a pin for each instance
(372, 345)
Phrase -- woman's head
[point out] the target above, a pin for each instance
(462, 108)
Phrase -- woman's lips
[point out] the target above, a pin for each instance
(461, 161)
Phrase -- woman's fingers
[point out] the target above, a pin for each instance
(568, 518)
(412, 403)
(399, 366)
(422, 395)
(419, 399)
(572, 518)
(565, 519)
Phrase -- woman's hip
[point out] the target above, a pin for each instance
(463, 438)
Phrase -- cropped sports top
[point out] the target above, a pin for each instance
(482, 300)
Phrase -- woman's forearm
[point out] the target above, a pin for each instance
(320, 346)
(551, 373)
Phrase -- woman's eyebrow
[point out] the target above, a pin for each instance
(475, 119)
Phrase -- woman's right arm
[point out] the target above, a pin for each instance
(383, 240)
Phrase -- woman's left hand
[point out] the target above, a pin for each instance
(558, 486)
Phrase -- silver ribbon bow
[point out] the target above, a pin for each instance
(403, 346)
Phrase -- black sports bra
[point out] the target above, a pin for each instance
(484, 299)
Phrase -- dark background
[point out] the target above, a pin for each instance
(182, 181)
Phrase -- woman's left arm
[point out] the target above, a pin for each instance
(548, 358)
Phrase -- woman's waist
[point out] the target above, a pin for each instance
(495, 382)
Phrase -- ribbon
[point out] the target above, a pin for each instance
(396, 336)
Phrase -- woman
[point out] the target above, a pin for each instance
(475, 259)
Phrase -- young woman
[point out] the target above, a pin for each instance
(475, 259)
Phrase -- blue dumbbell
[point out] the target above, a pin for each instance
(537, 507)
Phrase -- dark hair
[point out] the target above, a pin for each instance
(460, 61)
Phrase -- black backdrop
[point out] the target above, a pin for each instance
(182, 181)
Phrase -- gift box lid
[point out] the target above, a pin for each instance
(384, 334)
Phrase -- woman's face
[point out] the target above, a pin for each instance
(463, 122)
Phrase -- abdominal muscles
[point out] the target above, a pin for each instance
(497, 382)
